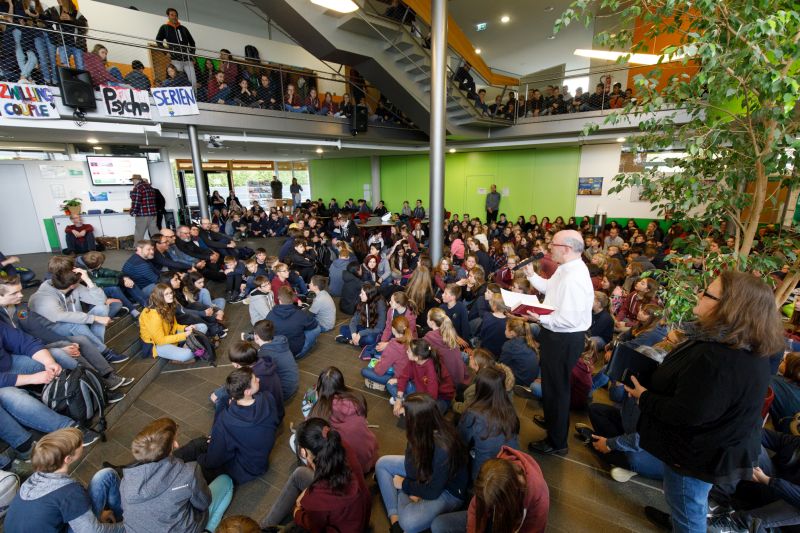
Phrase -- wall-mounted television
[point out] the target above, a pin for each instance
(110, 170)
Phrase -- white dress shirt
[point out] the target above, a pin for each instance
(570, 292)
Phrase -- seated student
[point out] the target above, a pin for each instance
(234, 270)
(113, 282)
(443, 338)
(276, 347)
(242, 435)
(644, 293)
(423, 373)
(198, 297)
(327, 493)
(351, 288)
(347, 412)
(261, 300)
(432, 477)
(300, 259)
(519, 352)
(80, 236)
(244, 354)
(26, 275)
(393, 357)
(322, 306)
(281, 277)
(602, 329)
(60, 300)
(456, 310)
(786, 386)
(140, 268)
(492, 333)
(299, 326)
(510, 494)
(136, 78)
(367, 323)
(251, 270)
(481, 358)
(399, 305)
(489, 421)
(159, 329)
(51, 500)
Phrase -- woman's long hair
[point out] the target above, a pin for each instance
(330, 458)
(654, 312)
(424, 351)
(445, 326)
(499, 496)
(188, 287)
(402, 299)
(492, 403)
(369, 310)
(401, 325)
(330, 385)
(746, 316)
(427, 429)
(420, 287)
(521, 329)
(156, 302)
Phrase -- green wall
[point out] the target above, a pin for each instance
(540, 181)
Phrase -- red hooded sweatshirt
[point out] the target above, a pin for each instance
(537, 496)
(350, 422)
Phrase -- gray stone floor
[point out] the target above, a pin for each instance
(583, 496)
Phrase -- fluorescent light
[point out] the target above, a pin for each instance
(621, 139)
(452, 150)
(478, 51)
(480, 26)
(504, 19)
(97, 147)
(319, 150)
(636, 59)
(92, 140)
(342, 6)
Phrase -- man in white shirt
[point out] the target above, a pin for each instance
(562, 335)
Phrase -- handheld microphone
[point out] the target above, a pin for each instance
(528, 261)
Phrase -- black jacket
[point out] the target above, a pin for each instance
(702, 413)
(351, 288)
(190, 248)
(179, 41)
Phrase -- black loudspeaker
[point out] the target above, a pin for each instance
(360, 120)
(76, 88)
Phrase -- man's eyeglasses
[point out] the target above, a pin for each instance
(564, 245)
(704, 294)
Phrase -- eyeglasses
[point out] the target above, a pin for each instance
(704, 294)
(564, 245)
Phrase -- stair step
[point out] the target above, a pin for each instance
(412, 58)
(374, 30)
(419, 68)
(145, 371)
(403, 46)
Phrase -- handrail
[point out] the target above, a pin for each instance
(461, 44)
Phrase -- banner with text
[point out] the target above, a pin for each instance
(124, 102)
(175, 101)
(27, 101)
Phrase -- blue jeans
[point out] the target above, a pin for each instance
(20, 410)
(616, 392)
(173, 352)
(365, 340)
(204, 297)
(297, 283)
(450, 523)
(95, 332)
(372, 376)
(287, 107)
(391, 388)
(65, 51)
(26, 59)
(63, 359)
(687, 498)
(413, 517)
(126, 294)
(46, 51)
(311, 337)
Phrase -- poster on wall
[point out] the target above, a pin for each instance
(590, 186)
(125, 102)
(175, 101)
(27, 102)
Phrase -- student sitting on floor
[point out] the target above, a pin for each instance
(160, 330)
(456, 310)
(443, 338)
(519, 352)
(392, 359)
(261, 299)
(245, 355)
(424, 373)
(482, 358)
(51, 500)
(367, 323)
(299, 326)
(322, 305)
(276, 347)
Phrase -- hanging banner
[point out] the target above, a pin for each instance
(125, 102)
(25, 101)
(175, 101)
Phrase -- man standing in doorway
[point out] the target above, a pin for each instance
(277, 188)
(492, 205)
(180, 43)
(562, 334)
(143, 208)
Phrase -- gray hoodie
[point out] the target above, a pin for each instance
(40, 485)
(260, 305)
(55, 306)
(165, 496)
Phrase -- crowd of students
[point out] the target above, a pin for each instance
(442, 343)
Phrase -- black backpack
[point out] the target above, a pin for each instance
(79, 395)
(251, 52)
(202, 347)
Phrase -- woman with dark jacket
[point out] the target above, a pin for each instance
(351, 288)
(368, 321)
(701, 410)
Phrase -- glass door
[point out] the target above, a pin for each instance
(217, 181)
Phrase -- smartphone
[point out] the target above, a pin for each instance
(626, 378)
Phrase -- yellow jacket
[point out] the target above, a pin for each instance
(153, 329)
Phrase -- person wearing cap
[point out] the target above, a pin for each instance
(137, 78)
(144, 208)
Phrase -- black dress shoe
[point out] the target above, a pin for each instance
(658, 517)
(539, 421)
(545, 448)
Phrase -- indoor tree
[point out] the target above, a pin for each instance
(735, 118)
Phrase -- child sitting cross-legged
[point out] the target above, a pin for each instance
(245, 355)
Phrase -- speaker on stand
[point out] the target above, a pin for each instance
(360, 119)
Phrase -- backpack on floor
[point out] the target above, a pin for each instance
(202, 347)
(9, 485)
(79, 395)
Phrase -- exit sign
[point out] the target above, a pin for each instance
(480, 26)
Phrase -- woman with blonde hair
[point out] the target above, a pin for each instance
(159, 330)
(444, 339)
(481, 358)
(519, 352)
(492, 333)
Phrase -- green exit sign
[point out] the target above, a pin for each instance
(480, 26)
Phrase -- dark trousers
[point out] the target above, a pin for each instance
(559, 353)
(491, 216)
(83, 246)
(607, 422)
(193, 451)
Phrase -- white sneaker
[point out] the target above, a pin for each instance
(622, 475)
(391, 401)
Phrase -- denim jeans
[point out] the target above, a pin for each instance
(20, 410)
(365, 340)
(95, 332)
(687, 498)
(188, 68)
(63, 358)
(616, 391)
(413, 517)
(298, 481)
(64, 52)
(311, 337)
(117, 292)
(297, 283)
(204, 297)
(450, 523)
(88, 245)
(372, 376)
(26, 59)
(46, 51)
(391, 388)
(173, 352)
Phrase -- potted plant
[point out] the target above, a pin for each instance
(71, 206)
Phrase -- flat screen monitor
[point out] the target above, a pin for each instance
(110, 170)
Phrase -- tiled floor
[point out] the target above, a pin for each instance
(583, 496)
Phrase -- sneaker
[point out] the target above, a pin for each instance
(523, 392)
(223, 334)
(584, 432)
(115, 358)
(621, 474)
(726, 523)
(341, 339)
(115, 381)
(374, 385)
(246, 301)
(89, 437)
(247, 337)
(114, 396)
(123, 312)
(22, 469)
(391, 401)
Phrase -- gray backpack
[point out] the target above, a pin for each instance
(9, 485)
